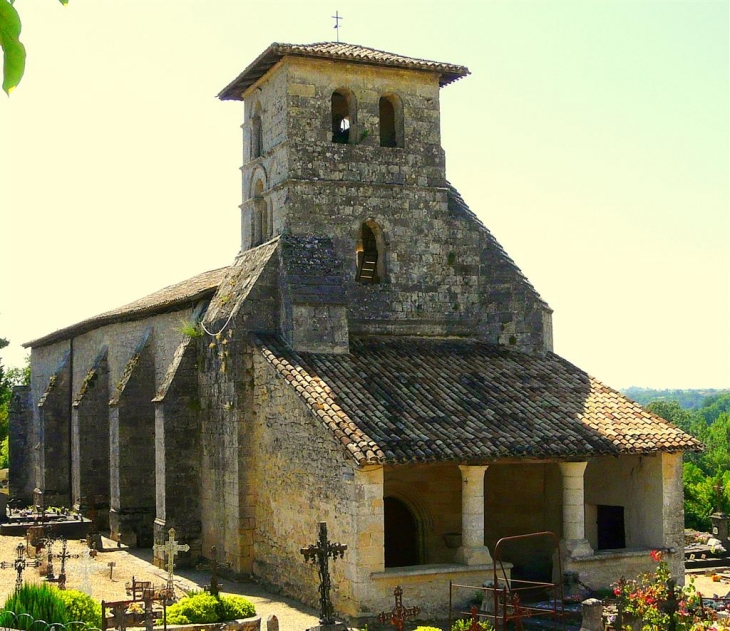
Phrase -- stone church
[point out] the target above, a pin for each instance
(372, 358)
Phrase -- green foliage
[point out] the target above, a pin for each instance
(464, 624)
(710, 423)
(235, 607)
(647, 598)
(82, 608)
(191, 329)
(201, 607)
(13, 49)
(41, 602)
(4, 453)
(428, 629)
(687, 399)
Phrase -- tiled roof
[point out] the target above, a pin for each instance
(170, 298)
(335, 50)
(399, 399)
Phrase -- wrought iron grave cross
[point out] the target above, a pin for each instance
(64, 556)
(399, 614)
(170, 549)
(319, 554)
(19, 564)
(214, 587)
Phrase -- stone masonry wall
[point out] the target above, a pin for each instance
(90, 442)
(132, 451)
(177, 456)
(54, 415)
(20, 445)
(444, 274)
(313, 155)
(225, 373)
(300, 477)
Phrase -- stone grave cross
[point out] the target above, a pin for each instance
(170, 549)
(319, 554)
(399, 614)
(19, 564)
(86, 565)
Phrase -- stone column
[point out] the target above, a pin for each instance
(574, 539)
(472, 551)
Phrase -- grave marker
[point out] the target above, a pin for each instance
(319, 554)
(170, 549)
(19, 564)
(399, 614)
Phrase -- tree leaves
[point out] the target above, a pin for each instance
(13, 49)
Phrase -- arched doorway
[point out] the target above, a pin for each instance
(401, 534)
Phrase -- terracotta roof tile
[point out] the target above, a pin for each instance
(397, 400)
(335, 50)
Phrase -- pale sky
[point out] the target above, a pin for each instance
(592, 138)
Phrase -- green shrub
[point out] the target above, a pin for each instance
(201, 607)
(40, 602)
(235, 607)
(464, 624)
(428, 629)
(82, 608)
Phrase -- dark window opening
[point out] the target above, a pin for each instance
(610, 523)
(367, 258)
(256, 142)
(388, 137)
(340, 118)
(401, 534)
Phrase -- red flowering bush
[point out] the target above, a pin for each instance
(656, 600)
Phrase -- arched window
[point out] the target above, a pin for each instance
(391, 121)
(370, 254)
(261, 218)
(401, 534)
(256, 135)
(342, 116)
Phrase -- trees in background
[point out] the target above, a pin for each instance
(710, 423)
(8, 379)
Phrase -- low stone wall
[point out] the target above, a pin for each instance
(427, 587)
(243, 624)
(603, 568)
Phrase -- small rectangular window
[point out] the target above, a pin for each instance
(610, 527)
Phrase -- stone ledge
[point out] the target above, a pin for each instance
(442, 568)
(604, 555)
(242, 624)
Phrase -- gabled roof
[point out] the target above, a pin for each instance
(400, 400)
(458, 207)
(340, 51)
(172, 298)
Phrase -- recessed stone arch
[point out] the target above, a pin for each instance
(371, 253)
(344, 115)
(256, 147)
(390, 116)
(261, 216)
(401, 500)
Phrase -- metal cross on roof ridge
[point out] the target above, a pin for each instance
(319, 554)
(337, 17)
